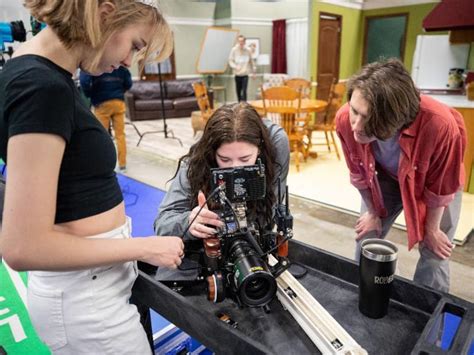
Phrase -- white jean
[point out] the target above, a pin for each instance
(88, 311)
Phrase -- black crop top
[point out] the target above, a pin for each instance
(37, 96)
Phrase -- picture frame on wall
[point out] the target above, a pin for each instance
(254, 45)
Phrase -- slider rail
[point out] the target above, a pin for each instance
(325, 332)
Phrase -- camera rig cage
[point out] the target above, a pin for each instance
(234, 262)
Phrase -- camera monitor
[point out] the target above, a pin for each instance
(244, 183)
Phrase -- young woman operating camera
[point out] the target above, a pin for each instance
(64, 215)
(235, 135)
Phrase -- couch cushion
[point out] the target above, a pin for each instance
(185, 103)
(146, 90)
(152, 105)
(179, 88)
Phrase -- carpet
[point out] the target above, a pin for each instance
(141, 204)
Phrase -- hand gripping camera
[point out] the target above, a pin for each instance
(234, 263)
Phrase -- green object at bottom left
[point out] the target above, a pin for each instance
(17, 335)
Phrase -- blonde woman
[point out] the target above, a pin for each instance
(64, 218)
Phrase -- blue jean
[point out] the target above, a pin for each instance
(88, 311)
(430, 270)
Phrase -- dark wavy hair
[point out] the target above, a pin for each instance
(390, 92)
(232, 123)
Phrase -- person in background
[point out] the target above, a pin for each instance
(242, 64)
(64, 216)
(234, 135)
(404, 151)
(107, 96)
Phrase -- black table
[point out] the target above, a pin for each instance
(332, 280)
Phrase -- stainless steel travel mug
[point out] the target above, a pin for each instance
(378, 259)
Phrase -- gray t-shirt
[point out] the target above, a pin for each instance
(173, 214)
(387, 154)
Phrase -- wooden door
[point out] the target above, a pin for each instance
(329, 47)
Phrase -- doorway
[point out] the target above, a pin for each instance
(329, 49)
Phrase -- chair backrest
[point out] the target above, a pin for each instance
(300, 84)
(282, 104)
(336, 96)
(200, 91)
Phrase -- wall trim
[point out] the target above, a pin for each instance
(189, 76)
(190, 21)
(243, 21)
(235, 21)
(297, 20)
(376, 4)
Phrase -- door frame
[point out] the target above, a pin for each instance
(338, 18)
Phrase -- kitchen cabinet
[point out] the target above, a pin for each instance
(466, 109)
(468, 114)
(461, 36)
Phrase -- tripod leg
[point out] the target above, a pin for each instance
(173, 137)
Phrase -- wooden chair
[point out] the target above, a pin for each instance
(282, 105)
(328, 125)
(303, 86)
(300, 84)
(199, 122)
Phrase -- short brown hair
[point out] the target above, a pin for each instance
(77, 22)
(390, 92)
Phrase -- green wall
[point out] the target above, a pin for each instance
(470, 62)
(352, 36)
(351, 41)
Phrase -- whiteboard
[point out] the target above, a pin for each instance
(433, 58)
(215, 50)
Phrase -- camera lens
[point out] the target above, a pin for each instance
(255, 285)
(257, 289)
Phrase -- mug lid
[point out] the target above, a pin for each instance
(379, 250)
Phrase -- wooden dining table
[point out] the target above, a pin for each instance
(307, 105)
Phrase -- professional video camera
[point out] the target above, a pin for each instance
(9, 32)
(234, 263)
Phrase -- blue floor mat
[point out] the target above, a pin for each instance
(141, 204)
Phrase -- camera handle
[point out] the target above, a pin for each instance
(284, 222)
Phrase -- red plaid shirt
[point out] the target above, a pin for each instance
(430, 170)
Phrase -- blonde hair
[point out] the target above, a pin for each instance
(77, 22)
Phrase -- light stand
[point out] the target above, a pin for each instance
(163, 115)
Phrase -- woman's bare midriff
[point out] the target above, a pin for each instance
(100, 223)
